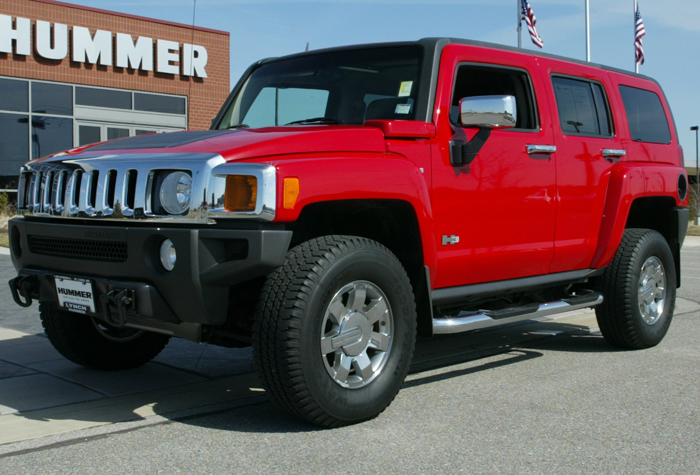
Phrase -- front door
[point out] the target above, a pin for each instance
(494, 218)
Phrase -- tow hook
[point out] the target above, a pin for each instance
(122, 300)
(24, 286)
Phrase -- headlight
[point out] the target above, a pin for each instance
(175, 192)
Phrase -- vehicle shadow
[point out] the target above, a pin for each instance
(237, 403)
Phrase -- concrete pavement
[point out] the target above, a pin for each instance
(42, 394)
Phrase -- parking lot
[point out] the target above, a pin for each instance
(547, 397)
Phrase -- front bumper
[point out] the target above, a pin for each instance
(209, 262)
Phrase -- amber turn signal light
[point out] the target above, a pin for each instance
(241, 193)
(291, 192)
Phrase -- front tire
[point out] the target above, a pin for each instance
(91, 343)
(335, 330)
(639, 289)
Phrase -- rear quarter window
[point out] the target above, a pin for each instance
(645, 116)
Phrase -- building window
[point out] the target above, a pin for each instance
(90, 96)
(39, 118)
(14, 95)
(88, 134)
(117, 133)
(14, 147)
(51, 135)
(156, 103)
(50, 98)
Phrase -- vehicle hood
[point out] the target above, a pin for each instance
(242, 144)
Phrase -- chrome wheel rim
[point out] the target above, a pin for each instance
(652, 290)
(112, 333)
(357, 334)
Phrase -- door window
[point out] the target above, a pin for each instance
(582, 107)
(473, 80)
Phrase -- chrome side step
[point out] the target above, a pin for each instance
(478, 321)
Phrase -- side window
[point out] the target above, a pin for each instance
(645, 115)
(487, 81)
(582, 107)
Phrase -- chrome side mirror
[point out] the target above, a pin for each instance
(493, 112)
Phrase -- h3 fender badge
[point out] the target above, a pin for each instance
(451, 240)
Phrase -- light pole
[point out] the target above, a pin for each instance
(697, 174)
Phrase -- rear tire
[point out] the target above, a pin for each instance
(335, 330)
(639, 289)
(91, 343)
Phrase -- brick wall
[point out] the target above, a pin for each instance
(205, 94)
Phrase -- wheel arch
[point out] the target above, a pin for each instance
(392, 223)
(640, 196)
(661, 214)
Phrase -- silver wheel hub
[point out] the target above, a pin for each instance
(356, 334)
(652, 290)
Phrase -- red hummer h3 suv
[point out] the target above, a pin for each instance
(346, 200)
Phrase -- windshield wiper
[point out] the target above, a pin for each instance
(316, 120)
(239, 126)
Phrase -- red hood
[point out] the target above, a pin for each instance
(247, 144)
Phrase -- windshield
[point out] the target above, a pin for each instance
(342, 87)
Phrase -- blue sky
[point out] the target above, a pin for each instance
(264, 28)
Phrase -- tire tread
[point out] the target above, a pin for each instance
(75, 337)
(616, 315)
(276, 333)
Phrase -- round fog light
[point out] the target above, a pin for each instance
(168, 255)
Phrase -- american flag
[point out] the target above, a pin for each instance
(529, 16)
(639, 32)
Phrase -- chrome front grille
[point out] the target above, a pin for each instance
(123, 186)
(58, 191)
(77, 193)
(108, 186)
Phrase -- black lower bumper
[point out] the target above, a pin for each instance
(115, 259)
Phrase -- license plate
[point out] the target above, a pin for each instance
(75, 295)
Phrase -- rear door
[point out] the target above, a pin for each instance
(587, 149)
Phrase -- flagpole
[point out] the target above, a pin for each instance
(520, 23)
(634, 33)
(588, 31)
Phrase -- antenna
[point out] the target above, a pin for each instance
(307, 46)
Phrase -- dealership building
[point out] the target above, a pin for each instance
(73, 75)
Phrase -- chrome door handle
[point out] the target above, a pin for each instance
(613, 155)
(541, 149)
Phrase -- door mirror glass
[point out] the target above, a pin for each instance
(493, 112)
